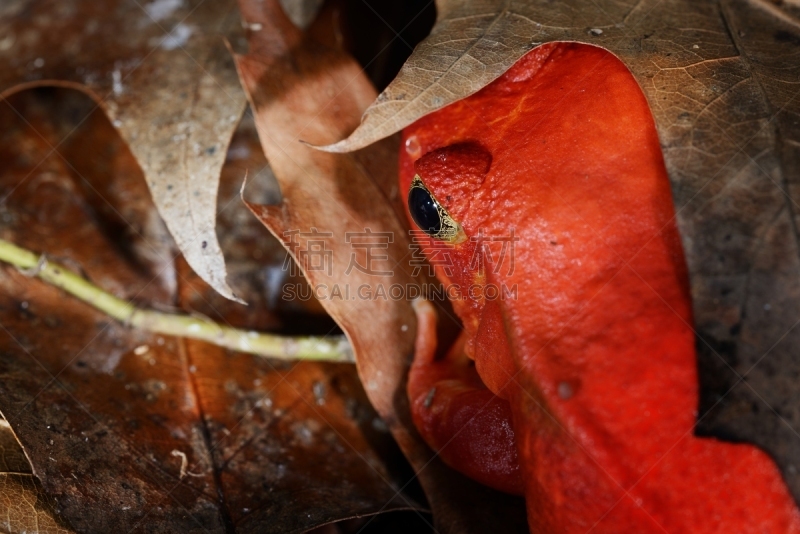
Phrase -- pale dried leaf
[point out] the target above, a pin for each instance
(475, 42)
(161, 72)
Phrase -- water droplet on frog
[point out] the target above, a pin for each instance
(412, 147)
(565, 390)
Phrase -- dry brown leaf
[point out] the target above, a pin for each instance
(301, 90)
(24, 507)
(129, 430)
(161, 72)
(723, 81)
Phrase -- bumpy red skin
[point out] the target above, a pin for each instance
(595, 357)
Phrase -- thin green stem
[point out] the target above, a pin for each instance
(334, 349)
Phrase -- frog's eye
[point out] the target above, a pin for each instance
(431, 216)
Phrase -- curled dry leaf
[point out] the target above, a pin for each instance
(334, 204)
(722, 81)
(160, 433)
(161, 72)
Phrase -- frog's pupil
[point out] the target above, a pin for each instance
(424, 210)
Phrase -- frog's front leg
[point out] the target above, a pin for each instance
(468, 425)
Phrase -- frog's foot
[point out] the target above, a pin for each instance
(468, 425)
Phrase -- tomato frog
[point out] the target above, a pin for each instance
(574, 380)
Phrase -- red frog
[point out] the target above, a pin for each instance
(574, 382)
